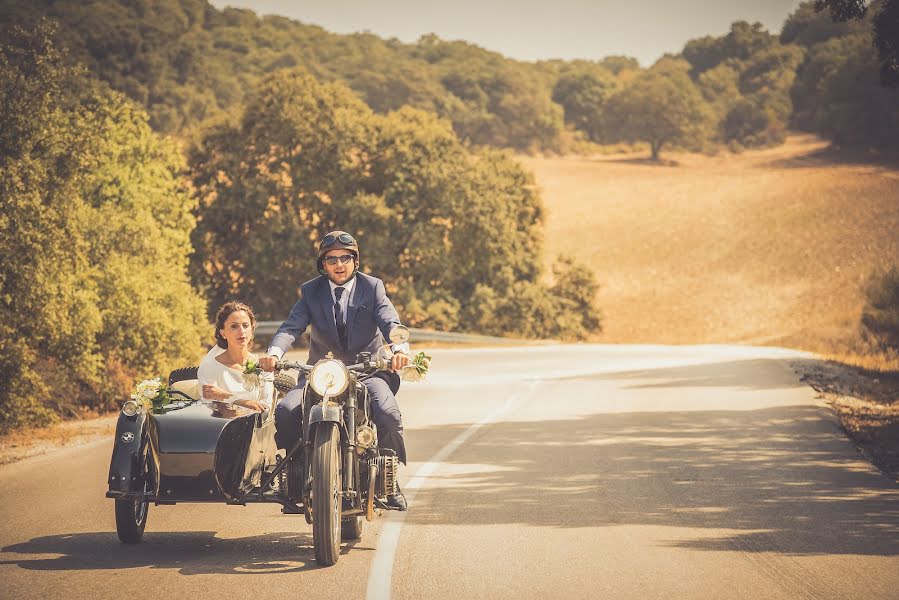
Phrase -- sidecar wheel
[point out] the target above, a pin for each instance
(130, 519)
(351, 529)
(326, 498)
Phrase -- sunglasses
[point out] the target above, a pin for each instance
(331, 239)
(343, 259)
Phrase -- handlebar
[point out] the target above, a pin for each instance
(283, 365)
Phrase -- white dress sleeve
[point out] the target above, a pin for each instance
(232, 381)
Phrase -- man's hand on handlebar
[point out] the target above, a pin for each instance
(400, 360)
(268, 363)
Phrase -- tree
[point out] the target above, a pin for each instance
(93, 290)
(436, 221)
(761, 116)
(742, 41)
(42, 137)
(885, 28)
(720, 89)
(837, 94)
(880, 317)
(661, 107)
(582, 94)
(806, 27)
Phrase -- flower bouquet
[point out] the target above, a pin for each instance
(417, 369)
(151, 394)
(252, 374)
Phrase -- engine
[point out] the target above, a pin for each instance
(388, 469)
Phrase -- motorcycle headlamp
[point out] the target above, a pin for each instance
(131, 408)
(329, 377)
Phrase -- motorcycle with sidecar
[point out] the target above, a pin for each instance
(196, 451)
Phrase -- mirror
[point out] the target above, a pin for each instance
(399, 334)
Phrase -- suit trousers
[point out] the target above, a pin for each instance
(385, 412)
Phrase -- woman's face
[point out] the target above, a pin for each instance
(238, 329)
(342, 270)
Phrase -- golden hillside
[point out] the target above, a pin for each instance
(766, 247)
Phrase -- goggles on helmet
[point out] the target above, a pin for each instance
(330, 240)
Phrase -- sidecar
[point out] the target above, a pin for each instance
(190, 451)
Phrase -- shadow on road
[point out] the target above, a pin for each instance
(775, 479)
(192, 553)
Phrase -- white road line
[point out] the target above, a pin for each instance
(380, 576)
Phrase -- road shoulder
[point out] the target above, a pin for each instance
(866, 405)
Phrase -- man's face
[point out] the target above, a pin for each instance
(342, 269)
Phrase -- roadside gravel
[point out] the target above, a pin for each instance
(866, 404)
(33, 442)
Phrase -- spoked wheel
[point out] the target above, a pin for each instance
(326, 499)
(131, 516)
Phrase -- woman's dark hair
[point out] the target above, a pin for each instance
(222, 315)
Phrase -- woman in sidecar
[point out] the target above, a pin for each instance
(212, 442)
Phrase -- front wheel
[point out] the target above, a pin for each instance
(131, 515)
(326, 499)
(130, 519)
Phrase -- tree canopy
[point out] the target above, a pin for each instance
(93, 290)
(437, 222)
(661, 106)
(188, 63)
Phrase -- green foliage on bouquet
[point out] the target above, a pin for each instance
(152, 394)
(418, 368)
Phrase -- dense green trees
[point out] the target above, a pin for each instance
(93, 289)
(837, 90)
(442, 226)
(582, 92)
(884, 19)
(187, 62)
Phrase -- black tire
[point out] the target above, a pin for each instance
(130, 519)
(351, 528)
(326, 498)
(131, 515)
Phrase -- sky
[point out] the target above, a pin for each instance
(533, 30)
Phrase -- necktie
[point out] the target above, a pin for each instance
(339, 319)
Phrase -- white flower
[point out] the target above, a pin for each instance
(412, 374)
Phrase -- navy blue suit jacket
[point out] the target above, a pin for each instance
(369, 319)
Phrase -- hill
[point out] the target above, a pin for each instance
(769, 246)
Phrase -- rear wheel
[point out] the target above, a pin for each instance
(326, 499)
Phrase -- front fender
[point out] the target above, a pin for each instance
(131, 442)
(329, 413)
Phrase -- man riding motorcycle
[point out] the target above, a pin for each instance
(347, 312)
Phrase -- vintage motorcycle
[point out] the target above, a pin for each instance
(195, 451)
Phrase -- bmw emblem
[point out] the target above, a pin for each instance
(127, 437)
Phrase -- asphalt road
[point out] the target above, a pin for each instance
(542, 472)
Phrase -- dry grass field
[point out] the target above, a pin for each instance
(766, 247)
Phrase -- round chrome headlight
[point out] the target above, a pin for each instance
(329, 377)
(131, 408)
